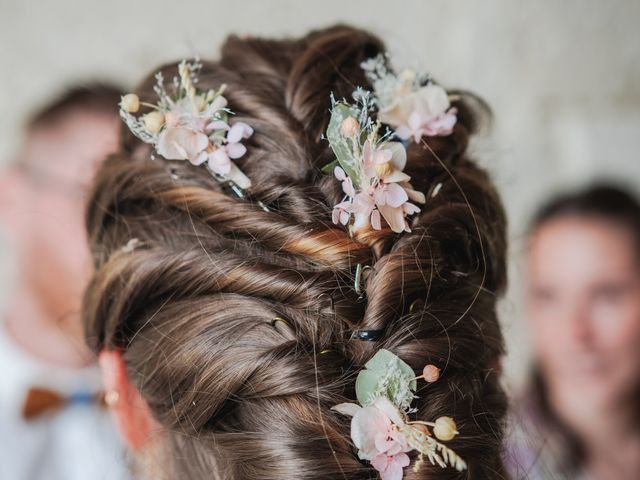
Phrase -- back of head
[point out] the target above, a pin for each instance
(193, 305)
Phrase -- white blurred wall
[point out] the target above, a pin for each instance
(563, 77)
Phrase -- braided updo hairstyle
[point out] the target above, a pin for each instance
(192, 307)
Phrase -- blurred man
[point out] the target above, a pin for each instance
(581, 416)
(52, 423)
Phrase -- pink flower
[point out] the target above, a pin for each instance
(392, 191)
(364, 208)
(216, 125)
(218, 161)
(391, 194)
(218, 157)
(390, 156)
(386, 162)
(178, 143)
(376, 431)
(387, 191)
(347, 183)
(390, 466)
(418, 126)
(187, 112)
(341, 213)
(394, 217)
(375, 428)
(235, 135)
(425, 111)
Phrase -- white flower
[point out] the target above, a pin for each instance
(371, 426)
(180, 143)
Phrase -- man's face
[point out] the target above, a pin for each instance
(44, 215)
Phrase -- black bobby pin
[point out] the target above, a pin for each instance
(367, 335)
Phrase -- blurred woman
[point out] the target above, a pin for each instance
(581, 417)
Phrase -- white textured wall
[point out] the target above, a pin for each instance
(563, 77)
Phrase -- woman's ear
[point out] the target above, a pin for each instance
(132, 414)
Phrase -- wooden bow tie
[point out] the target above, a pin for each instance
(40, 401)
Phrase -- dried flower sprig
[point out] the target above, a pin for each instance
(190, 124)
(380, 426)
(370, 168)
(413, 104)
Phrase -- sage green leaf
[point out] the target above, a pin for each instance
(386, 375)
(367, 386)
(346, 150)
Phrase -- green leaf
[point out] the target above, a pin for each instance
(328, 168)
(344, 147)
(366, 386)
(386, 374)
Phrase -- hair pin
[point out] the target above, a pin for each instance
(369, 163)
(360, 277)
(370, 167)
(380, 426)
(194, 125)
(368, 335)
(413, 305)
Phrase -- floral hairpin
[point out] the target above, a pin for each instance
(369, 164)
(191, 125)
(370, 167)
(411, 103)
(380, 427)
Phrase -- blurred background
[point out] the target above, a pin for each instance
(562, 78)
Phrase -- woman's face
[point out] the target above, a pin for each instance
(583, 302)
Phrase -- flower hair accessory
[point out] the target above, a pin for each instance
(370, 167)
(413, 104)
(380, 427)
(368, 163)
(190, 124)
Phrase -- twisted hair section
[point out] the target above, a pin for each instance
(236, 323)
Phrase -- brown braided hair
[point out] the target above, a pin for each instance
(192, 308)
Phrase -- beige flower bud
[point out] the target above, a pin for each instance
(407, 75)
(130, 103)
(349, 127)
(431, 373)
(384, 169)
(445, 428)
(153, 121)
